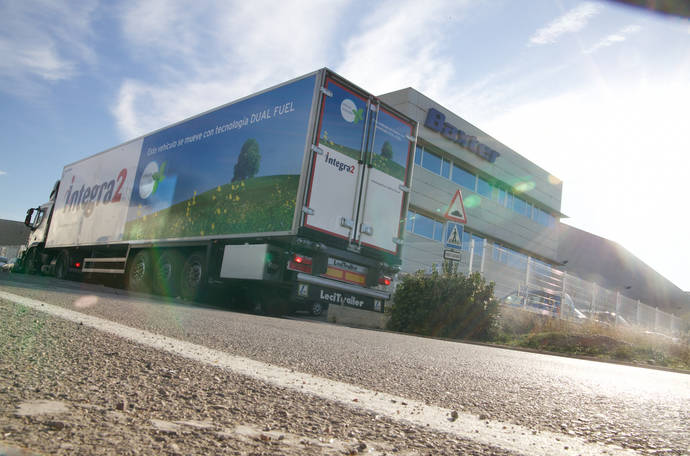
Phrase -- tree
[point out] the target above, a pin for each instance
(387, 150)
(248, 161)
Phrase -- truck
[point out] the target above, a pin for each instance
(295, 196)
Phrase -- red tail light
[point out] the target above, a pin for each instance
(300, 263)
(385, 280)
(77, 265)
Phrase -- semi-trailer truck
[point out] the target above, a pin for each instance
(293, 196)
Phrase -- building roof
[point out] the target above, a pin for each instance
(13, 233)
(612, 266)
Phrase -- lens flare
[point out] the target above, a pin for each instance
(472, 201)
(86, 301)
(522, 187)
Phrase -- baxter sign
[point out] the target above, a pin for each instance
(436, 121)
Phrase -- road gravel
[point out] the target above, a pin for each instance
(636, 408)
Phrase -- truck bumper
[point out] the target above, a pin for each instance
(332, 292)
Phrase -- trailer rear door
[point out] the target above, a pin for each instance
(360, 169)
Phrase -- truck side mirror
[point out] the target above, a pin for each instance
(27, 220)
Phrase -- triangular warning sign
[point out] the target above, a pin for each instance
(456, 210)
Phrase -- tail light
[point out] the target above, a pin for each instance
(385, 280)
(77, 265)
(300, 263)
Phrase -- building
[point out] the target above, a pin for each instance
(509, 201)
(507, 225)
(13, 235)
(610, 265)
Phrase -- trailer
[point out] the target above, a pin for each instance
(293, 196)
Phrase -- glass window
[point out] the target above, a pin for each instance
(432, 162)
(464, 178)
(542, 217)
(510, 200)
(438, 231)
(483, 187)
(424, 226)
(445, 169)
(466, 240)
(418, 156)
(501, 196)
(478, 243)
(522, 207)
(410, 221)
(509, 257)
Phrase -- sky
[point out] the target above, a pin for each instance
(596, 93)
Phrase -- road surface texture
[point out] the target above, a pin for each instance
(105, 394)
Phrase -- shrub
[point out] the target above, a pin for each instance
(445, 304)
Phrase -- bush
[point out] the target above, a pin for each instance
(445, 304)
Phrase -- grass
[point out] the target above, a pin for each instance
(255, 205)
(524, 329)
(383, 164)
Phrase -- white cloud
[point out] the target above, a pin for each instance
(43, 41)
(572, 21)
(2, 173)
(216, 52)
(393, 48)
(620, 152)
(614, 38)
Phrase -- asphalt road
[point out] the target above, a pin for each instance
(647, 411)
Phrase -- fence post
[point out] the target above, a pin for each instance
(563, 300)
(593, 307)
(638, 315)
(618, 308)
(656, 318)
(469, 269)
(481, 265)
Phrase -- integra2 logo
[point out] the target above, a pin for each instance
(88, 197)
(338, 164)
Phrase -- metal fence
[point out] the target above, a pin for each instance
(526, 282)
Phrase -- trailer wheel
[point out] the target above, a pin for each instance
(138, 272)
(193, 277)
(62, 265)
(167, 273)
(316, 308)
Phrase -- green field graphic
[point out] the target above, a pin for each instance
(379, 162)
(255, 205)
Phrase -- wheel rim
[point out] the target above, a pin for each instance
(316, 308)
(138, 272)
(165, 272)
(193, 275)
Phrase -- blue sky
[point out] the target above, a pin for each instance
(596, 93)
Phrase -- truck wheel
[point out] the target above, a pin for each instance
(193, 277)
(138, 272)
(167, 273)
(29, 261)
(316, 308)
(62, 266)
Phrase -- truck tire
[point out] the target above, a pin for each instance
(316, 308)
(62, 265)
(138, 272)
(193, 277)
(167, 271)
(29, 261)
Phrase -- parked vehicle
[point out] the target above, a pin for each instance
(297, 194)
(545, 302)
